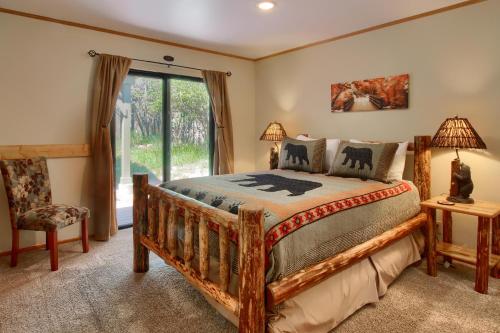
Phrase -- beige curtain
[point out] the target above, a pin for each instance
(110, 73)
(219, 100)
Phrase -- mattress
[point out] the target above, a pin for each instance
(308, 217)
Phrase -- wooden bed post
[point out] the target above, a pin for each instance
(141, 253)
(422, 180)
(251, 269)
(422, 166)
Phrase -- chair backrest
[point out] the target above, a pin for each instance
(27, 185)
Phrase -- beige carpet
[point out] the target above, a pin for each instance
(98, 292)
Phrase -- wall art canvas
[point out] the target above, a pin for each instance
(385, 93)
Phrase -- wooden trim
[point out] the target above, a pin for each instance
(194, 48)
(373, 28)
(10, 152)
(40, 246)
(279, 291)
(119, 33)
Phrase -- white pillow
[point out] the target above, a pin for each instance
(332, 145)
(398, 164)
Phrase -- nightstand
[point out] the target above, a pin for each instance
(485, 212)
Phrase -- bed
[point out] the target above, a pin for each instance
(270, 242)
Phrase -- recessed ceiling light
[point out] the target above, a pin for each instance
(265, 5)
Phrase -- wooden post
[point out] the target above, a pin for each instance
(188, 238)
(430, 242)
(224, 267)
(162, 220)
(447, 231)
(85, 234)
(204, 254)
(495, 245)
(422, 169)
(483, 251)
(495, 235)
(141, 253)
(251, 269)
(172, 230)
(54, 250)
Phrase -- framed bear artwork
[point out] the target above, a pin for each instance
(385, 93)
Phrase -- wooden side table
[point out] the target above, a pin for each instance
(481, 258)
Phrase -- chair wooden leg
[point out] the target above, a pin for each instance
(54, 261)
(15, 248)
(46, 240)
(85, 235)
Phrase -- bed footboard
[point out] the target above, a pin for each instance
(156, 213)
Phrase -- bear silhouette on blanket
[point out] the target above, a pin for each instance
(296, 152)
(363, 155)
(279, 183)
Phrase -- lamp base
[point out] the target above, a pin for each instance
(461, 183)
(459, 199)
(273, 159)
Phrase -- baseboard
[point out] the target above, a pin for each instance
(40, 246)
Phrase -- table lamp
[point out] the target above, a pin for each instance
(274, 132)
(458, 133)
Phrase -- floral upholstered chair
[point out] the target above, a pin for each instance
(30, 206)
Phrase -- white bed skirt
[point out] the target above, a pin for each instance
(324, 306)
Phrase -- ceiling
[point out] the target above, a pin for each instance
(231, 26)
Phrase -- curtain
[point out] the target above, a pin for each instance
(219, 100)
(110, 72)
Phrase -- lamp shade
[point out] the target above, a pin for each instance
(273, 132)
(457, 133)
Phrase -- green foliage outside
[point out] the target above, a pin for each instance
(189, 125)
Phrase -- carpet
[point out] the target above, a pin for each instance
(98, 292)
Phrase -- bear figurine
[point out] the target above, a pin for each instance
(465, 185)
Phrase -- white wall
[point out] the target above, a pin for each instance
(45, 90)
(454, 64)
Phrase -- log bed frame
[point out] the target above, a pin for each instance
(156, 214)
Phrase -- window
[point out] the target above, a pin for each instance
(162, 126)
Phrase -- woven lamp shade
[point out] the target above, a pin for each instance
(273, 132)
(457, 133)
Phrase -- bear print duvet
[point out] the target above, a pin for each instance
(308, 217)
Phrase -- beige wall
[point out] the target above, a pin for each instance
(45, 85)
(454, 64)
(452, 59)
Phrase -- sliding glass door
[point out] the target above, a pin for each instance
(162, 126)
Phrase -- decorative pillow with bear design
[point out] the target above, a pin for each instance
(364, 160)
(302, 155)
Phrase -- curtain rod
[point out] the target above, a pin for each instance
(93, 53)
